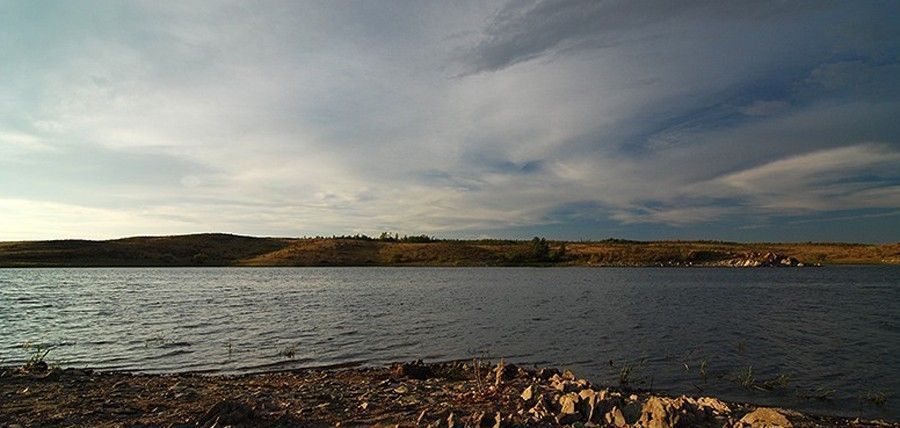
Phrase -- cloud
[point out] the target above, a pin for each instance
(765, 108)
(822, 180)
(525, 30)
(495, 117)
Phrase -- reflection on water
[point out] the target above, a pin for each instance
(695, 331)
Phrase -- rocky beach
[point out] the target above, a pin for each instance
(453, 394)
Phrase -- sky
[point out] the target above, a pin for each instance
(571, 119)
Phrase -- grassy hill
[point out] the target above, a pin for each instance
(233, 250)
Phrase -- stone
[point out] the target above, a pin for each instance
(632, 411)
(539, 411)
(547, 373)
(587, 405)
(528, 393)
(765, 417)
(714, 405)
(567, 403)
(615, 418)
(660, 412)
(568, 412)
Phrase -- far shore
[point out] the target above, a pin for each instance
(359, 250)
(454, 394)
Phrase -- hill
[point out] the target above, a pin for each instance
(233, 250)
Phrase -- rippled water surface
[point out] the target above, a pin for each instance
(828, 329)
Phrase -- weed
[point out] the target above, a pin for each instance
(288, 352)
(744, 377)
(780, 381)
(36, 362)
(878, 398)
(156, 340)
(704, 370)
(821, 393)
(626, 373)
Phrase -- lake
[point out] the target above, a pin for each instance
(819, 339)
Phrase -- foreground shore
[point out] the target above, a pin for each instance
(405, 394)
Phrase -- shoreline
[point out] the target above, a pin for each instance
(212, 250)
(405, 394)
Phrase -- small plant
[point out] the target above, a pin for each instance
(821, 393)
(156, 340)
(780, 381)
(288, 352)
(230, 348)
(626, 373)
(744, 377)
(878, 398)
(36, 362)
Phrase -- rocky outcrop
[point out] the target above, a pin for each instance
(757, 259)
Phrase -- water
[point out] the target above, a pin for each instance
(832, 328)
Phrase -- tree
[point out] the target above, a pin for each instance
(540, 248)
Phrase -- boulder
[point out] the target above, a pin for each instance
(568, 413)
(660, 412)
(765, 417)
